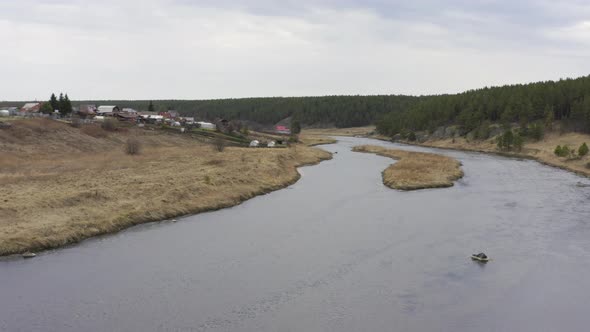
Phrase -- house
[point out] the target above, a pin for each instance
(107, 110)
(206, 125)
(170, 114)
(129, 111)
(125, 116)
(187, 120)
(150, 117)
(31, 107)
(87, 110)
(283, 130)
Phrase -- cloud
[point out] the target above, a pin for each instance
(211, 49)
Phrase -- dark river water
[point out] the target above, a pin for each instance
(337, 251)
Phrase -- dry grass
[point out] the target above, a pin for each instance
(541, 151)
(315, 140)
(416, 170)
(357, 131)
(63, 186)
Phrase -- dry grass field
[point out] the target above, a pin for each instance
(357, 131)
(60, 185)
(416, 170)
(542, 151)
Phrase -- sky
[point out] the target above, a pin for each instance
(208, 49)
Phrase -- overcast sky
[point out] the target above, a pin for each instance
(201, 49)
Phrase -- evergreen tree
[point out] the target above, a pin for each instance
(61, 103)
(46, 108)
(151, 107)
(296, 127)
(67, 106)
(53, 102)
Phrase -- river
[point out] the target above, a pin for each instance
(337, 251)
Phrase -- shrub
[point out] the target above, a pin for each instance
(412, 136)
(132, 146)
(76, 122)
(109, 125)
(583, 150)
(219, 144)
(562, 151)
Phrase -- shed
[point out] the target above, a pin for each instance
(107, 110)
(207, 125)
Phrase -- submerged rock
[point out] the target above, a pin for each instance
(29, 255)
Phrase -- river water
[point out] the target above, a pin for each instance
(337, 251)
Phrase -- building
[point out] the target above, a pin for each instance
(123, 116)
(31, 107)
(107, 110)
(206, 125)
(170, 114)
(87, 110)
(283, 130)
(129, 111)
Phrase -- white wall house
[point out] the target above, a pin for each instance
(207, 125)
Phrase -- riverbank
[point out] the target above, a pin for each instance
(60, 186)
(541, 151)
(416, 170)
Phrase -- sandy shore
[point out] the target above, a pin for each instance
(416, 170)
(60, 186)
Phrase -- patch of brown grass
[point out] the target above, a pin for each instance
(94, 131)
(72, 193)
(356, 131)
(542, 151)
(315, 140)
(416, 170)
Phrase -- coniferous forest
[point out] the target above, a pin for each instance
(567, 100)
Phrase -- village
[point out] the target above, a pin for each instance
(236, 132)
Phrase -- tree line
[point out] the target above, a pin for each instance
(539, 103)
(63, 105)
(567, 100)
(339, 111)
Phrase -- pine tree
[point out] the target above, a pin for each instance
(61, 103)
(67, 108)
(151, 107)
(53, 102)
(296, 127)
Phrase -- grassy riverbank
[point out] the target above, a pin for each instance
(60, 185)
(416, 170)
(541, 151)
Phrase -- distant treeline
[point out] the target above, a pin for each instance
(339, 111)
(567, 100)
